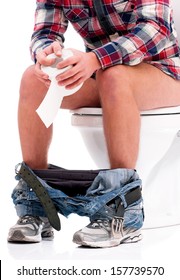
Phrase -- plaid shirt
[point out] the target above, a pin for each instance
(143, 30)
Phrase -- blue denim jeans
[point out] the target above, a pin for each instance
(107, 185)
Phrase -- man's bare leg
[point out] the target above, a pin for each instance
(124, 92)
(35, 138)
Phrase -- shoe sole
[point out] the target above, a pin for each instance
(18, 236)
(132, 237)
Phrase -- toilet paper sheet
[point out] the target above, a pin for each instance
(51, 103)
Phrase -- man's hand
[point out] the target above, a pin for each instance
(43, 60)
(84, 65)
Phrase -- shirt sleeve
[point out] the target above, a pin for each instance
(148, 38)
(50, 25)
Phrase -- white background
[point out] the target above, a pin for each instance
(158, 246)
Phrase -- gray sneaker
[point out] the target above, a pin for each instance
(30, 229)
(104, 233)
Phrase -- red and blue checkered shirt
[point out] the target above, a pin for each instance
(142, 31)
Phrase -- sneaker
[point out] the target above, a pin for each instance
(104, 233)
(30, 229)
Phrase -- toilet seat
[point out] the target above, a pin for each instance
(98, 111)
(92, 117)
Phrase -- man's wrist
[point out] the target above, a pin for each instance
(96, 61)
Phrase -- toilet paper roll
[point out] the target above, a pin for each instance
(51, 103)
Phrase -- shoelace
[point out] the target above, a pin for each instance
(114, 227)
(28, 219)
(117, 226)
(100, 223)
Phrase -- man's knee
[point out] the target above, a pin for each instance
(30, 86)
(114, 81)
(27, 78)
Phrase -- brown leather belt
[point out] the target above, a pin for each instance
(31, 179)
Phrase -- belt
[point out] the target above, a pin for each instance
(31, 179)
(130, 197)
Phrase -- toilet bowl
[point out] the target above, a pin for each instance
(158, 163)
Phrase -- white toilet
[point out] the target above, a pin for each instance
(158, 162)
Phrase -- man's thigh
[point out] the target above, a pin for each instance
(152, 88)
(86, 96)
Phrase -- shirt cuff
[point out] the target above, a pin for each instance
(109, 55)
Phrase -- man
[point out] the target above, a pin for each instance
(132, 63)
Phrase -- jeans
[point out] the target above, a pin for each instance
(107, 185)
